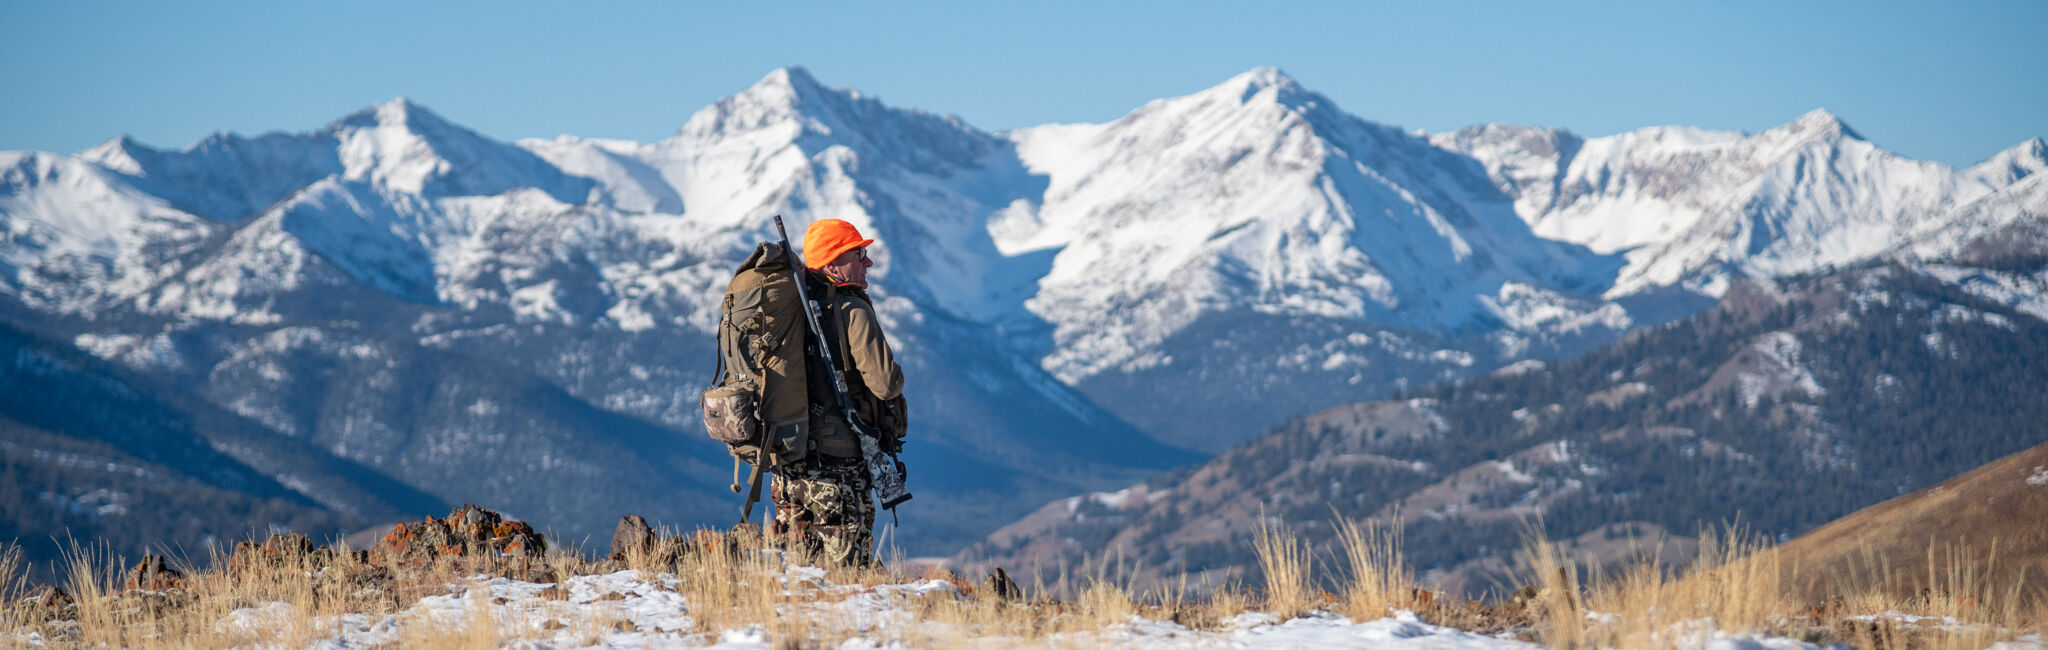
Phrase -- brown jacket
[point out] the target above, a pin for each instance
(872, 376)
(868, 353)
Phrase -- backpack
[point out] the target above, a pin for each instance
(759, 402)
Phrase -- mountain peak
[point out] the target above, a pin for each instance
(2034, 151)
(1261, 90)
(400, 144)
(1252, 83)
(1265, 76)
(1821, 121)
(791, 88)
(399, 112)
(124, 142)
(794, 77)
(118, 154)
(786, 96)
(2009, 166)
(2035, 148)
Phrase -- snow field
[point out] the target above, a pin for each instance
(630, 609)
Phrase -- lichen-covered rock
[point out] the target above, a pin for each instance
(472, 525)
(517, 539)
(511, 548)
(415, 544)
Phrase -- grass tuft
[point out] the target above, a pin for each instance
(1380, 578)
(1288, 567)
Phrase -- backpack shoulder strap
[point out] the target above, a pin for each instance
(718, 372)
(842, 354)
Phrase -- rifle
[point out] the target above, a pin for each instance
(884, 470)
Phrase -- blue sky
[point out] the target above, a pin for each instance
(1950, 82)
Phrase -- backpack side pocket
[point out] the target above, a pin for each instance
(732, 412)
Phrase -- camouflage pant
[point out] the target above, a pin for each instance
(823, 506)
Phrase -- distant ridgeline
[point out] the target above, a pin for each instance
(1785, 407)
(91, 455)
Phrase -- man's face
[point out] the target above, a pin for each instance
(851, 266)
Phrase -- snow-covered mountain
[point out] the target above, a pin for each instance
(1366, 258)
(1358, 257)
(1694, 208)
(413, 308)
(1066, 296)
(75, 233)
(1260, 195)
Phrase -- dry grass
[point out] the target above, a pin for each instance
(1732, 586)
(475, 629)
(1971, 595)
(289, 599)
(13, 587)
(1381, 580)
(1288, 567)
(1735, 586)
(1555, 605)
(1738, 586)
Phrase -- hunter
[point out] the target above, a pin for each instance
(823, 502)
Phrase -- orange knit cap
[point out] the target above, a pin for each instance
(826, 239)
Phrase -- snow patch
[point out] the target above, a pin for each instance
(1115, 500)
(1519, 368)
(2025, 292)
(1508, 470)
(1775, 369)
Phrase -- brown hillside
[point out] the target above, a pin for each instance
(1993, 520)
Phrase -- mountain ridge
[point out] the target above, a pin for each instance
(590, 297)
(1177, 279)
(1788, 405)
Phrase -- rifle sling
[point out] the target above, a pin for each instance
(753, 487)
(845, 360)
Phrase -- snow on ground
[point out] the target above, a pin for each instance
(1317, 630)
(628, 609)
(2028, 642)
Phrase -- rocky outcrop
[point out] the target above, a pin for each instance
(632, 537)
(508, 548)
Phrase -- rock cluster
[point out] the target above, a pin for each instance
(633, 538)
(470, 540)
(510, 548)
